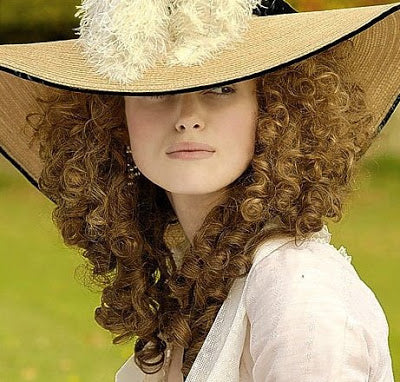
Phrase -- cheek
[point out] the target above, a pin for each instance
(239, 133)
(141, 128)
(140, 134)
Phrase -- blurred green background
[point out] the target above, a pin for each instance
(47, 329)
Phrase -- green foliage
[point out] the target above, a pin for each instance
(37, 20)
(37, 12)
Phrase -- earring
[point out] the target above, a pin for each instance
(131, 168)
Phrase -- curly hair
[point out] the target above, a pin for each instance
(313, 125)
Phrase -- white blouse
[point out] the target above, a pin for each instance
(301, 314)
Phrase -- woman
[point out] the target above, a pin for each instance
(218, 261)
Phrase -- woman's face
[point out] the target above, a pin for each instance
(222, 117)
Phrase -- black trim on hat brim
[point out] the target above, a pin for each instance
(63, 87)
(22, 171)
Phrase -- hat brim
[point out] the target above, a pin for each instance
(270, 43)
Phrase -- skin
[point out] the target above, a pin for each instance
(226, 122)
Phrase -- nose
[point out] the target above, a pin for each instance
(189, 113)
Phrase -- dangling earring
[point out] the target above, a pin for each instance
(131, 168)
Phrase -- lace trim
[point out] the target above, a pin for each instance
(324, 236)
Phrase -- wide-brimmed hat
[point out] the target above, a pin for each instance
(165, 47)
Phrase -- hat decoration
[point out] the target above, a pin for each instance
(123, 38)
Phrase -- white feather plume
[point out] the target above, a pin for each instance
(201, 28)
(121, 39)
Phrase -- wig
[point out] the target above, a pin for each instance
(312, 127)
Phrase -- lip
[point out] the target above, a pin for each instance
(189, 146)
(200, 154)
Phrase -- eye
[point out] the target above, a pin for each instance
(158, 96)
(230, 88)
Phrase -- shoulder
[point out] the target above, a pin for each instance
(306, 272)
(315, 248)
(310, 260)
(312, 275)
(310, 297)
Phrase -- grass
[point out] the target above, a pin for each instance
(370, 232)
(47, 329)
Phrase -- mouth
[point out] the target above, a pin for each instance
(189, 146)
(192, 154)
(190, 151)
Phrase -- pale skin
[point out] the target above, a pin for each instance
(226, 122)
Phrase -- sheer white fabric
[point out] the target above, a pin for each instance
(301, 314)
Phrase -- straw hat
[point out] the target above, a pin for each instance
(143, 47)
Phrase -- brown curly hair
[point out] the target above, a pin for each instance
(313, 125)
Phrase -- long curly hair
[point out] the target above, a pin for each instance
(312, 127)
